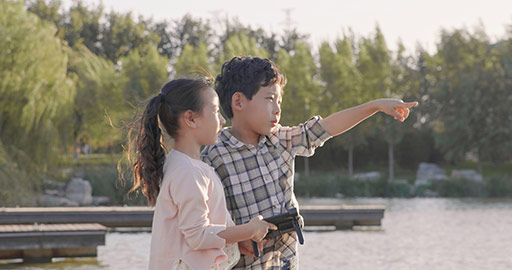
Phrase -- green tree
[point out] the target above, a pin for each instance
(143, 73)
(35, 93)
(302, 91)
(191, 31)
(82, 25)
(192, 60)
(268, 41)
(343, 89)
(34, 88)
(121, 35)
(240, 44)
(473, 96)
(47, 11)
(300, 95)
(99, 98)
(291, 38)
(379, 71)
(404, 84)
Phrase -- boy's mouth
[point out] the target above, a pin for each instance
(274, 123)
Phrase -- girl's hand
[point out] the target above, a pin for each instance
(260, 228)
(395, 107)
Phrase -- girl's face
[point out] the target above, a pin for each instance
(210, 121)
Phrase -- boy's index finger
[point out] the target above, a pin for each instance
(409, 104)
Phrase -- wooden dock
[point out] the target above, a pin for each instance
(106, 216)
(343, 217)
(42, 242)
(40, 233)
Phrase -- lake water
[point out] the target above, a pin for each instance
(415, 234)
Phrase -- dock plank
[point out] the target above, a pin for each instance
(337, 215)
(41, 242)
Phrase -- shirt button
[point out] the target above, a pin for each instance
(211, 233)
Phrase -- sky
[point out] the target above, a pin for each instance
(411, 21)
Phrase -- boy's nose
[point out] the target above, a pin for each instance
(277, 110)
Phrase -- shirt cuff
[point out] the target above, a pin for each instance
(211, 239)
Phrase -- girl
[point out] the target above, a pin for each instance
(192, 228)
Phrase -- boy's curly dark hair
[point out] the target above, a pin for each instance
(245, 74)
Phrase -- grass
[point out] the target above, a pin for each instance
(488, 169)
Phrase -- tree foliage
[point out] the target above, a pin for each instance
(473, 96)
(302, 92)
(99, 99)
(72, 73)
(35, 91)
(143, 73)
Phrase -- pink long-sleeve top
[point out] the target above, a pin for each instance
(190, 210)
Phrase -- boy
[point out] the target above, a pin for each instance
(255, 157)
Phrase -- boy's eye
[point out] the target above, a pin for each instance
(270, 98)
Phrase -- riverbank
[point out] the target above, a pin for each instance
(100, 170)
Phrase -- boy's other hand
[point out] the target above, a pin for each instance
(245, 248)
(395, 107)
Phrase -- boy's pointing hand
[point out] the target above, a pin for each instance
(395, 107)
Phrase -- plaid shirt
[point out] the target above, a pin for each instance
(258, 180)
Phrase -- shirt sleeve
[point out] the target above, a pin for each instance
(303, 139)
(189, 191)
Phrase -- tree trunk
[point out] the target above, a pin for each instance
(391, 162)
(479, 163)
(350, 161)
(306, 165)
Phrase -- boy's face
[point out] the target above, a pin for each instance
(263, 111)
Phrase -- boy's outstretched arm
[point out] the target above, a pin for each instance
(342, 121)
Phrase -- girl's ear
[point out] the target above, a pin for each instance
(189, 118)
(238, 101)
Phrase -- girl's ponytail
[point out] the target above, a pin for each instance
(149, 153)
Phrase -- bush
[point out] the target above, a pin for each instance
(329, 185)
(104, 182)
(17, 187)
(500, 186)
(317, 186)
(101, 171)
(460, 188)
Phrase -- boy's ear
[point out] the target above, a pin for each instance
(189, 119)
(238, 101)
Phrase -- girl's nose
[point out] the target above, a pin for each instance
(222, 120)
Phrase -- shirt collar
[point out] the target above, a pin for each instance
(232, 141)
